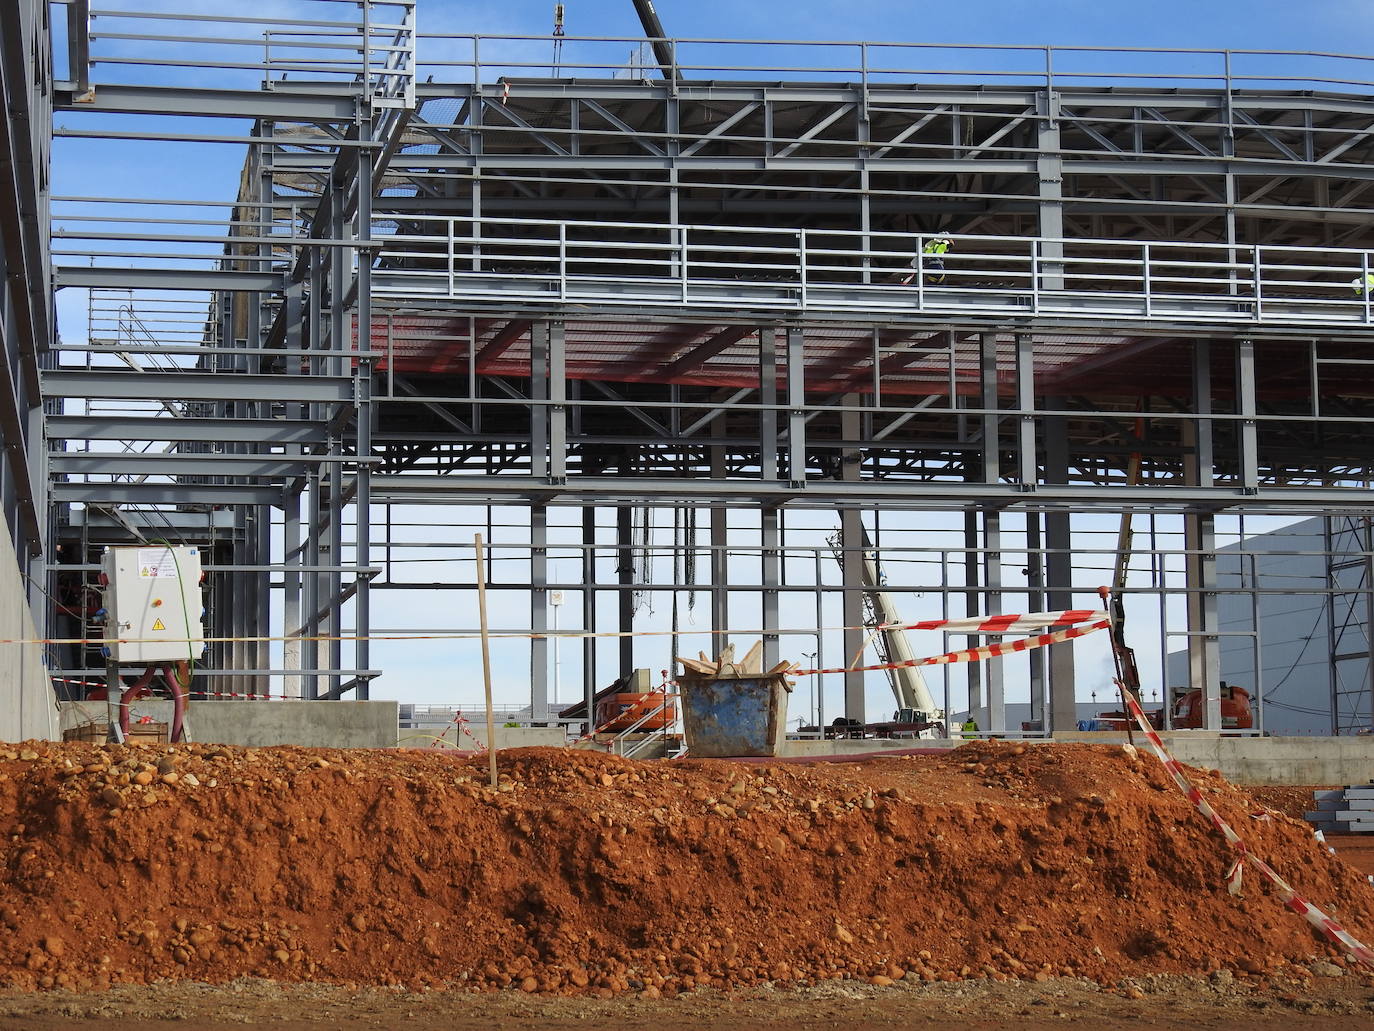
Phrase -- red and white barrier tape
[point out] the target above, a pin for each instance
(987, 651)
(1008, 624)
(461, 722)
(1314, 916)
(971, 625)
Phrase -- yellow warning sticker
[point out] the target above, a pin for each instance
(157, 625)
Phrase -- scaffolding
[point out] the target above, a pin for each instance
(445, 279)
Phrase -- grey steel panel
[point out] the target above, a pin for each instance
(823, 493)
(115, 427)
(132, 464)
(166, 279)
(164, 494)
(311, 104)
(207, 386)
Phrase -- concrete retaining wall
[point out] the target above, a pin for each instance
(1265, 760)
(260, 724)
(1243, 760)
(27, 704)
(856, 746)
(514, 737)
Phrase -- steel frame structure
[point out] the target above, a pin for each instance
(453, 281)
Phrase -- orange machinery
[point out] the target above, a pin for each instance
(1189, 711)
(621, 711)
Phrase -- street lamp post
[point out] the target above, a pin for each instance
(556, 600)
(811, 661)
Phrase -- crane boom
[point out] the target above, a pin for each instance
(653, 28)
(907, 682)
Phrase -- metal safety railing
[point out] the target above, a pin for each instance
(479, 58)
(631, 264)
(353, 42)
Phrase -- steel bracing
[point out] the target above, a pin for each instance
(446, 277)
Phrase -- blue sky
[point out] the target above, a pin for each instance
(1266, 24)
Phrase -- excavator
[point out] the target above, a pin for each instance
(1187, 708)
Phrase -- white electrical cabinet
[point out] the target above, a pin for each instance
(153, 603)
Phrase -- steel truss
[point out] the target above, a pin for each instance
(447, 280)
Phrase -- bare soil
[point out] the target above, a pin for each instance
(301, 887)
(1223, 1002)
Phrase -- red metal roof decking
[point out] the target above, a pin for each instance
(838, 359)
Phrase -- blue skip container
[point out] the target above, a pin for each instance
(740, 716)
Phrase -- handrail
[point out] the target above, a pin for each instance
(385, 49)
(377, 54)
(870, 62)
(690, 265)
(649, 714)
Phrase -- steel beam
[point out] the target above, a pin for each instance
(109, 384)
(539, 614)
(101, 277)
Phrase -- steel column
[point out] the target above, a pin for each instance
(1199, 539)
(1063, 705)
(851, 564)
(539, 614)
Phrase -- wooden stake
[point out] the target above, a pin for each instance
(486, 652)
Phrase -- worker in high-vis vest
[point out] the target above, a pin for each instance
(933, 257)
(1363, 285)
(970, 727)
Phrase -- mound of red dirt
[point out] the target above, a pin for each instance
(588, 873)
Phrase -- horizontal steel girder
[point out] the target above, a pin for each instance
(165, 494)
(168, 279)
(252, 431)
(828, 493)
(195, 386)
(174, 464)
(315, 103)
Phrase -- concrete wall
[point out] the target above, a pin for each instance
(27, 704)
(512, 737)
(260, 724)
(1264, 760)
(1242, 760)
(857, 746)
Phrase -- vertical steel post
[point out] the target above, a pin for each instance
(1027, 466)
(539, 614)
(625, 601)
(993, 671)
(362, 486)
(852, 560)
(291, 595)
(539, 392)
(1199, 540)
(589, 620)
(558, 395)
(1246, 408)
(768, 398)
(1049, 166)
(1063, 705)
(770, 538)
(988, 420)
(1035, 602)
(720, 565)
(973, 606)
(795, 373)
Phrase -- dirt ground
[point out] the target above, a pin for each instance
(990, 887)
(1222, 1002)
